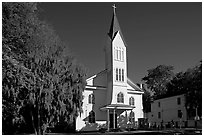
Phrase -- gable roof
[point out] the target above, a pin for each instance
(136, 87)
(169, 97)
(129, 82)
(101, 72)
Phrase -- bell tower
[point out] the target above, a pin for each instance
(116, 61)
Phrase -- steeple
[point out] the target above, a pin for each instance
(115, 27)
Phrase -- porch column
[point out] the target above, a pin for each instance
(108, 119)
(113, 118)
(126, 117)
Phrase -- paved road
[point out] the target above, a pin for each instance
(142, 132)
(115, 133)
(149, 132)
(138, 132)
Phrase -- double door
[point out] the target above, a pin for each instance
(111, 116)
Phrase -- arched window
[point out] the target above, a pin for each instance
(120, 98)
(92, 117)
(131, 101)
(117, 74)
(91, 99)
(132, 117)
(119, 53)
(115, 53)
(122, 54)
(122, 74)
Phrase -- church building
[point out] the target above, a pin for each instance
(111, 100)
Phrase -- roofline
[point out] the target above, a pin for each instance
(134, 92)
(117, 106)
(123, 39)
(170, 96)
(91, 77)
(99, 73)
(134, 84)
(112, 34)
(87, 87)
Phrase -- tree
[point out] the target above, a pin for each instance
(57, 92)
(193, 88)
(162, 81)
(42, 83)
(177, 85)
(15, 35)
(190, 84)
(158, 78)
(147, 99)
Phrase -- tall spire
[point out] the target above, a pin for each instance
(114, 7)
(115, 27)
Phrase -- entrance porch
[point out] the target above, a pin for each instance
(113, 111)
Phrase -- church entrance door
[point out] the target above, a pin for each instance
(111, 121)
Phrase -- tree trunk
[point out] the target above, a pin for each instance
(39, 127)
(33, 122)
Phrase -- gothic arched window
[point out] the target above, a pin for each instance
(91, 99)
(131, 101)
(122, 74)
(122, 54)
(119, 53)
(132, 117)
(92, 117)
(117, 74)
(120, 98)
(115, 53)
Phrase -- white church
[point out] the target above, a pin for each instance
(111, 99)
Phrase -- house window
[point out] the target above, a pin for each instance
(91, 99)
(180, 114)
(131, 101)
(159, 114)
(159, 104)
(178, 101)
(92, 117)
(132, 117)
(117, 74)
(120, 98)
(122, 74)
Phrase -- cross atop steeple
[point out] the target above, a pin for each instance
(114, 7)
(115, 27)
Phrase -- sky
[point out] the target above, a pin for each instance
(155, 33)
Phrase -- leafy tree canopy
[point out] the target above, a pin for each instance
(164, 83)
(190, 84)
(158, 78)
(42, 83)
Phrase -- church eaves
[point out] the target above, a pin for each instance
(115, 27)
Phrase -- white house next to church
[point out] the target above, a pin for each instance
(171, 110)
(168, 109)
(111, 99)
